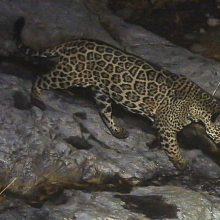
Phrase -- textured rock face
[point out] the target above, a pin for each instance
(64, 162)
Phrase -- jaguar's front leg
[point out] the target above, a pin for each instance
(104, 103)
(170, 146)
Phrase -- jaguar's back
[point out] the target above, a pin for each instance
(171, 101)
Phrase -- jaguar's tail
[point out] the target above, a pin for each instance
(42, 53)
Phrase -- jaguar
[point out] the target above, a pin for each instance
(171, 101)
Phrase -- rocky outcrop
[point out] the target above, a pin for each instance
(64, 162)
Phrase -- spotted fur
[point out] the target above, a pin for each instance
(171, 101)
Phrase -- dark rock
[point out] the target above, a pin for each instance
(78, 142)
(21, 100)
(81, 115)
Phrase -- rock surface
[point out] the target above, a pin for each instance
(63, 163)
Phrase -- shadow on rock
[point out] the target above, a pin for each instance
(194, 136)
(152, 206)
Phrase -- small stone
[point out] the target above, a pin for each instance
(202, 31)
(213, 22)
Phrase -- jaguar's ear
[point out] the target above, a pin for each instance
(215, 118)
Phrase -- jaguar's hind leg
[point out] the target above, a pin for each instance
(56, 79)
(36, 94)
(104, 103)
